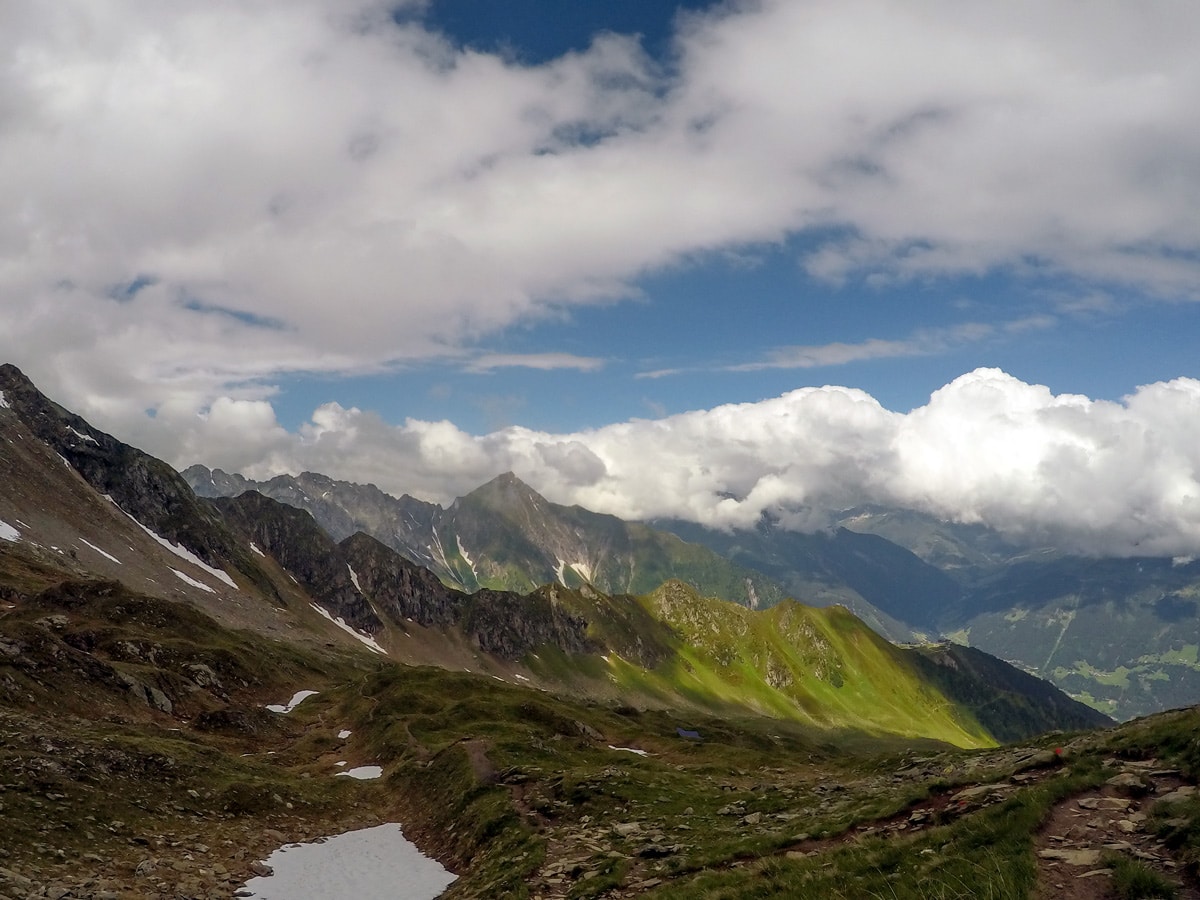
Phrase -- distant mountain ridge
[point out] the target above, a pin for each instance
(1120, 634)
(506, 536)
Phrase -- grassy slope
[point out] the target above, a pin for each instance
(821, 667)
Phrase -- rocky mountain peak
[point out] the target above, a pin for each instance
(505, 491)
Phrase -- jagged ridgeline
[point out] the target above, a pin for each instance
(506, 536)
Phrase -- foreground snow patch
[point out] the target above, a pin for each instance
(629, 750)
(7, 532)
(372, 864)
(297, 698)
(364, 773)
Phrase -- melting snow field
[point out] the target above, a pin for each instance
(101, 552)
(357, 635)
(188, 579)
(364, 773)
(182, 552)
(82, 436)
(629, 750)
(297, 698)
(372, 864)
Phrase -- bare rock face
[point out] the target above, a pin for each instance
(399, 588)
(512, 625)
(146, 488)
(303, 548)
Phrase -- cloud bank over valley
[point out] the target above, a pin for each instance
(1097, 477)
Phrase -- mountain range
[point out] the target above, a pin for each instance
(1122, 635)
(85, 504)
(645, 740)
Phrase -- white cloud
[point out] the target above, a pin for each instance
(306, 186)
(923, 342)
(546, 362)
(313, 187)
(1094, 476)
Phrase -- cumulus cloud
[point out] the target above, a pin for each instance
(1091, 476)
(317, 186)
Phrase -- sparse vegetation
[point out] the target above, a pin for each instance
(1134, 880)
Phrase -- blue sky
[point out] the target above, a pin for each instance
(705, 315)
(420, 243)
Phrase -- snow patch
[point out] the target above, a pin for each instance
(184, 553)
(363, 773)
(436, 551)
(3, 402)
(7, 532)
(67, 464)
(462, 551)
(297, 698)
(101, 552)
(520, 676)
(254, 547)
(344, 733)
(82, 436)
(357, 635)
(193, 582)
(354, 578)
(581, 569)
(370, 864)
(629, 750)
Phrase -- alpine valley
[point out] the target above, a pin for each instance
(563, 704)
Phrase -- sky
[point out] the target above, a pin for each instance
(660, 259)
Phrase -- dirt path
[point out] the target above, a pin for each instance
(1113, 818)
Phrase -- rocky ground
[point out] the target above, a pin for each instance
(643, 848)
(1075, 843)
(197, 852)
